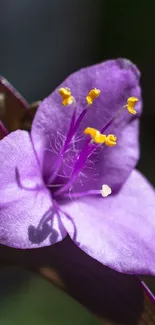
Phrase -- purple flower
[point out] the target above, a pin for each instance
(51, 179)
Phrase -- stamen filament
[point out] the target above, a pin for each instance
(72, 130)
(84, 154)
(104, 192)
(112, 119)
(131, 102)
(54, 185)
(81, 194)
(65, 146)
(80, 118)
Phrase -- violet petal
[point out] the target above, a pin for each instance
(26, 218)
(118, 231)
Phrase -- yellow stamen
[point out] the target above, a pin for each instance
(93, 93)
(66, 95)
(111, 140)
(106, 190)
(131, 102)
(92, 132)
(101, 138)
(97, 137)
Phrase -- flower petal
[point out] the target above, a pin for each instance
(118, 231)
(25, 214)
(117, 80)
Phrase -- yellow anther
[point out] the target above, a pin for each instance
(92, 132)
(111, 140)
(66, 95)
(93, 93)
(131, 102)
(96, 136)
(101, 138)
(106, 190)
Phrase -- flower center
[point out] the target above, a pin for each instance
(94, 139)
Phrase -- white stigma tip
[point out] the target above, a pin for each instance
(106, 190)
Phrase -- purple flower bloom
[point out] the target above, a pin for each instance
(51, 179)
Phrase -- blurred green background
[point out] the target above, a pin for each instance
(41, 43)
(26, 298)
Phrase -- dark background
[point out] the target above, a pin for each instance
(41, 42)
